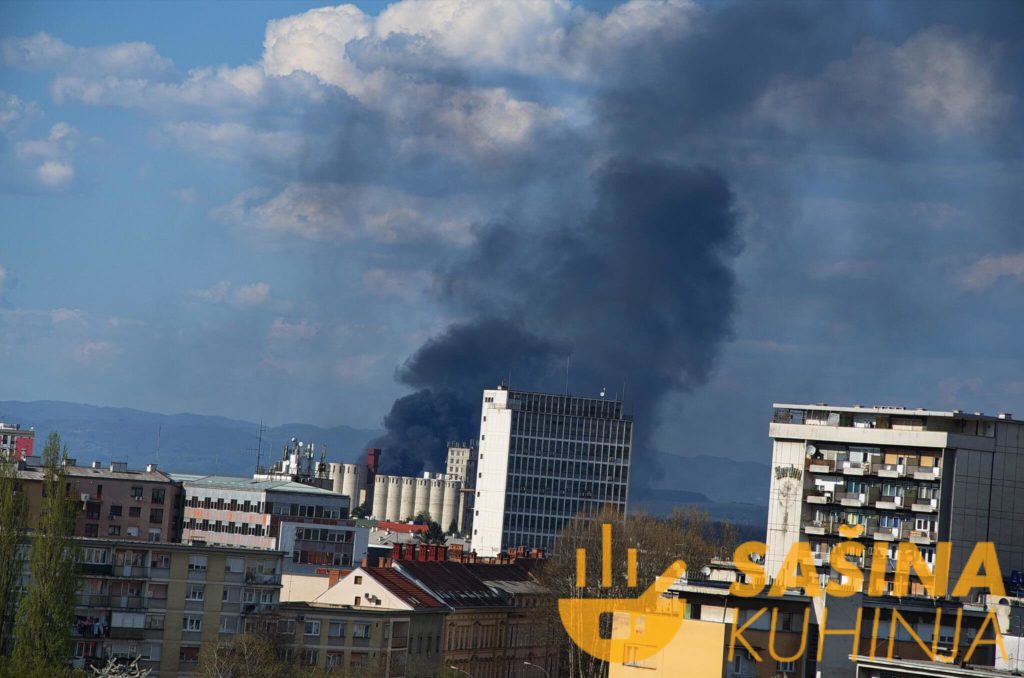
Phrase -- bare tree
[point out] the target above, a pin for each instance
(687, 535)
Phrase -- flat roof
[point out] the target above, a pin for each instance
(891, 409)
(249, 484)
(157, 476)
(137, 545)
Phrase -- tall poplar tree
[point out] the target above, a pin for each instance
(47, 611)
(12, 517)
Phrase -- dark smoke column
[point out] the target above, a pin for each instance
(639, 291)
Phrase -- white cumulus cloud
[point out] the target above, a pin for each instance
(984, 273)
(240, 296)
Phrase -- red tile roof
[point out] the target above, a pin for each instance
(403, 588)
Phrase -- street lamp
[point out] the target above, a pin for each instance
(456, 668)
(538, 667)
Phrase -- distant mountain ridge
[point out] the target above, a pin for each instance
(188, 443)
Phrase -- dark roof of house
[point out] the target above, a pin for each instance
(403, 588)
(511, 578)
(453, 583)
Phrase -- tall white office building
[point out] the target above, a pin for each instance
(542, 459)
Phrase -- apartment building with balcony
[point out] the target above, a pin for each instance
(542, 459)
(162, 602)
(903, 475)
(114, 501)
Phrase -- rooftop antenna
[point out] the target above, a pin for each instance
(159, 428)
(259, 445)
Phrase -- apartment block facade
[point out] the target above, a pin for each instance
(542, 459)
(115, 502)
(903, 475)
(162, 602)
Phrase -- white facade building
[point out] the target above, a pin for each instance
(542, 459)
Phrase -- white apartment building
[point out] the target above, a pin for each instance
(904, 474)
(542, 459)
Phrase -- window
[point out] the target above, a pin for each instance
(95, 556)
(132, 531)
(188, 654)
(286, 626)
(154, 534)
(310, 657)
(134, 512)
(92, 530)
(160, 561)
(137, 493)
(115, 512)
(197, 563)
(156, 515)
(359, 580)
(361, 631)
(357, 601)
(190, 623)
(236, 565)
(228, 623)
(154, 621)
(157, 497)
(114, 530)
(196, 592)
(336, 629)
(312, 627)
(787, 667)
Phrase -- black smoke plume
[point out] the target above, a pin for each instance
(639, 292)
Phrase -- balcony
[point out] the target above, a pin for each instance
(890, 470)
(925, 472)
(93, 600)
(922, 537)
(397, 643)
(127, 633)
(128, 602)
(817, 527)
(854, 499)
(819, 498)
(886, 534)
(923, 505)
(855, 468)
(821, 466)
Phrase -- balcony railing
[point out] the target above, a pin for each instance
(821, 466)
(925, 472)
(890, 470)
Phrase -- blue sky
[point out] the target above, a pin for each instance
(256, 210)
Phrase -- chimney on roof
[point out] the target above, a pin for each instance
(1006, 415)
(396, 551)
(119, 466)
(68, 461)
(409, 551)
(150, 468)
(97, 465)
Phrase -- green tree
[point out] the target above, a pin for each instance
(453, 527)
(361, 511)
(12, 517)
(46, 612)
(433, 535)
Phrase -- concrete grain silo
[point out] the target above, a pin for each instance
(380, 497)
(394, 503)
(450, 505)
(353, 482)
(408, 498)
(336, 472)
(422, 503)
(436, 500)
